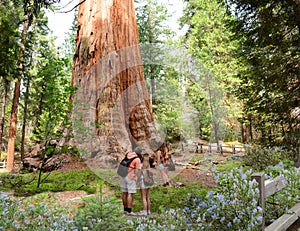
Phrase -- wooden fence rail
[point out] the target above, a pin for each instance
(221, 148)
(268, 188)
(3, 164)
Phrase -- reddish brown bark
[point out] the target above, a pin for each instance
(109, 76)
(14, 112)
(12, 128)
(3, 108)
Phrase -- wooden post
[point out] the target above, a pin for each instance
(221, 149)
(233, 149)
(260, 178)
(197, 149)
(209, 147)
(201, 148)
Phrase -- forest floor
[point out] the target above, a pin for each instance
(185, 173)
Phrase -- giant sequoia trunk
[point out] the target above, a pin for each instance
(111, 107)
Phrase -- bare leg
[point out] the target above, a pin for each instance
(148, 199)
(129, 201)
(144, 198)
(124, 199)
(164, 176)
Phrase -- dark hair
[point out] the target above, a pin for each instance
(138, 150)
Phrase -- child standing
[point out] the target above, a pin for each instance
(162, 163)
(145, 190)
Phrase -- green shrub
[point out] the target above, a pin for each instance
(259, 158)
(101, 213)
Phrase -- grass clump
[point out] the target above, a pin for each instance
(26, 184)
(228, 165)
(165, 198)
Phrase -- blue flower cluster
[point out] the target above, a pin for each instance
(22, 215)
(233, 205)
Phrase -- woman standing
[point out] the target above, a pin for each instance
(162, 163)
(145, 189)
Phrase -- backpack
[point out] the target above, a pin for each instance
(124, 165)
(148, 178)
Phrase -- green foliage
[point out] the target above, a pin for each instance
(9, 22)
(168, 108)
(55, 181)
(54, 92)
(228, 165)
(152, 16)
(211, 43)
(196, 159)
(269, 87)
(232, 205)
(259, 158)
(162, 80)
(153, 29)
(15, 181)
(32, 215)
(197, 97)
(101, 212)
(165, 198)
(46, 78)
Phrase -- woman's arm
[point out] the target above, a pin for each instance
(158, 155)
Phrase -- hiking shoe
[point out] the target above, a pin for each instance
(131, 214)
(126, 213)
(142, 213)
(166, 184)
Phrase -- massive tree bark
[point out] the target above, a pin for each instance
(111, 107)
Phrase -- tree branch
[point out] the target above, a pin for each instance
(68, 11)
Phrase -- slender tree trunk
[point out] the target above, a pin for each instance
(2, 119)
(244, 133)
(24, 120)
(215, 125)
(111, 93)
(296, 7)
(152, 83)
(40, 112)
(14, 112)
(152, 68)
(250, 129)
